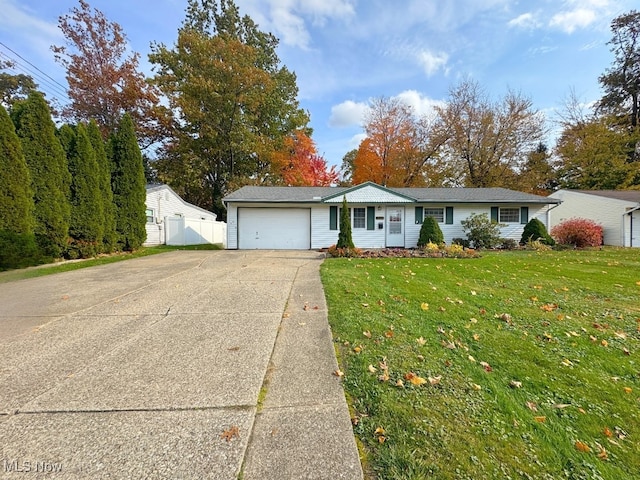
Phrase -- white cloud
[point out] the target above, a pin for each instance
(356, 140)
(527, 21)
(421, 104)
(432, 62)
(320, 10)
(573, 20)
(17, 19)
(348, 114)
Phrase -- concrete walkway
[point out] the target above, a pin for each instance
(181, 365)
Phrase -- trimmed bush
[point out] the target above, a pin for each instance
(463, 242)
(481, 232)
(430, 232)
(18, 250)
(579, 232)
(535, 230)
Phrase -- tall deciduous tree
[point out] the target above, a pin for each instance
(298, 163)
(400, 150)
(104, 80)
(104, 181)
(128, 182)
(231, 100)
(488, 142)
(14, 87)
(16, 196)
(48, 169)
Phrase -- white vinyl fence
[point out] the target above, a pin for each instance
(192, 231)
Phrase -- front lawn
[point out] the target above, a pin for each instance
(512, 365)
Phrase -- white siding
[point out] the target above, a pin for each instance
(608, 212)
(635, 229)
(165, 203)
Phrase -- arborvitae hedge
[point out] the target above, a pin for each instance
(86, 228)
(104, 182)
(50, 177)
(16, 196)
(129, 186)
(430, 232)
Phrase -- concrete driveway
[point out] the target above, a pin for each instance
(179, 365)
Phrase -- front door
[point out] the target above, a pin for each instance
(395, 227)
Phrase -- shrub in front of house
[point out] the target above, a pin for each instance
(463, 242)
(345, 239)
(537, 246)
(481, 232)
(344, 252)
(430, 232)
(508, 244)
(18, 250)
(579, 232)
(535, 230)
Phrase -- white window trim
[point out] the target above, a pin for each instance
(364, 218)
(517, 220)
(440, 218)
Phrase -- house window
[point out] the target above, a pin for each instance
(437, 213)
(509, 215)
(359, 218)
(150, 217)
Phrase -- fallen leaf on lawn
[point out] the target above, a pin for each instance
(582, 447)
(515, 384)
(621, 335)
(561, 405)
(602, 454)
(567, 363)
(486, 366)
(339, 373)
(476, 387)
(534, 299)
(532, 406)
(627, 389)
(621, 434)
(626, 351)
(384, 377)
(421, 341)
(388, 334)
(442, 309)
(476, 337)
(449, 345)
(380, 302)
(505, 317)
(483, 311)
(414, 379)
(435, 380)
(441, 330)
(473, 292)
(372, 369)
(424, 306)
(638, 283)
(582, 411)
(367, 333)
(593, 339)
(357, 349)
(399, 383)
(538, 287)
(365, 305)
(549, 307)
(540, 419)
(471, 359)
(379, 431)
(607, 432)
(473, 320)
(604, 343)
(382, 439)
(230, 433)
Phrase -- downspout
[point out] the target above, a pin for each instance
(549, 214)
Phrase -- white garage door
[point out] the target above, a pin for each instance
(635, 229)
(274, 228)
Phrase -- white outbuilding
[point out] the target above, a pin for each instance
(617, 211)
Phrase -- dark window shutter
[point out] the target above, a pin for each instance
(419, 216)
(494, 214)
(333, 217)
(448, 220)
(524, 215)
(371, 218)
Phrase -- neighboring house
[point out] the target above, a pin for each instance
(172, 221)
(618, 211)
(308, 217)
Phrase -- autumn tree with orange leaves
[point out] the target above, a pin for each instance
(298, 163)
(400, 150)
(104, 82)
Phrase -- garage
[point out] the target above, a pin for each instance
(274, 228)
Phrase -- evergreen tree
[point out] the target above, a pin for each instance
(535, 230)
(16, 197)
(344, 237)
(50, 177)
(86, 227)
(430, 232)
(104, 181)
(128, 182)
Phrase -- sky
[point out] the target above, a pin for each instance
(347, 52)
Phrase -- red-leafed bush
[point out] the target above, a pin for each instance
(579, 232)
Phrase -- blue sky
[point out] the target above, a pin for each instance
(345, 52)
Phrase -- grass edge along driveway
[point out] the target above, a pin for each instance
(513, 365)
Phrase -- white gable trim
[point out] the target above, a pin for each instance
(369, 193)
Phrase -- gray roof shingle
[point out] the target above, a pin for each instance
(422, 195)
(627, 195)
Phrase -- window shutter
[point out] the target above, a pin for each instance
(448, 218)
(333, 217)
(524, 215)
(494, 214)
(419, 216)
(371, 218)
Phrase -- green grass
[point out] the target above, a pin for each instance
(570, 336)
(50, 269)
